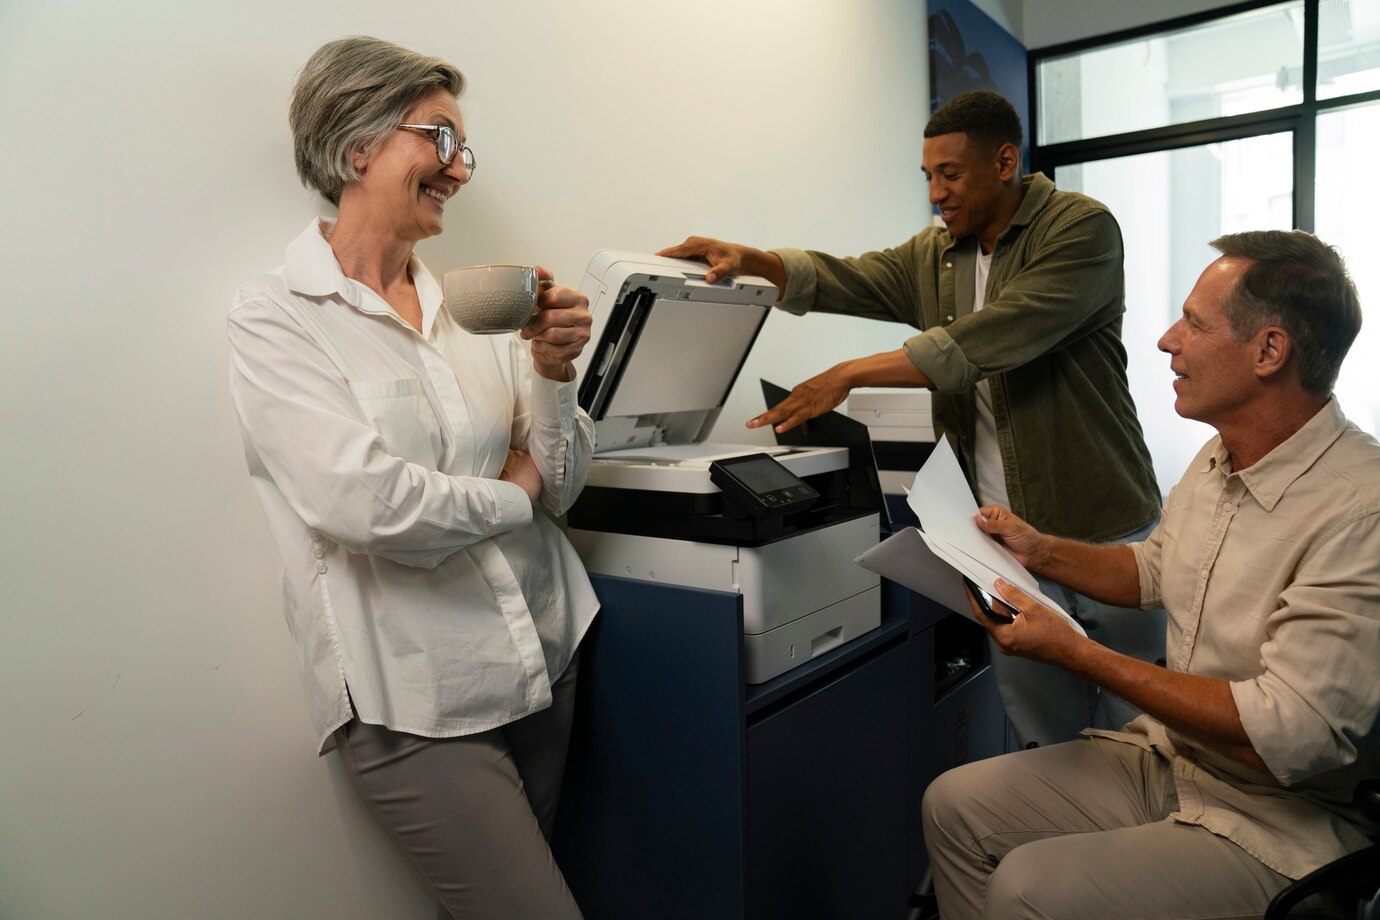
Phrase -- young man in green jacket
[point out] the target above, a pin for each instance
(1019, 299)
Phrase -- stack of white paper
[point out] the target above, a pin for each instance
(941, 499)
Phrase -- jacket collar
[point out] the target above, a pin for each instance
(1038, 190)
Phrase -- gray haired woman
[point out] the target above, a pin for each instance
(408, 471)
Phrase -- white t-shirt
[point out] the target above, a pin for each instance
(991, 474)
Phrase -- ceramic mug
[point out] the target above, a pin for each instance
(490, 299)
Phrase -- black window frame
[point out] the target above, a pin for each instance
(1301, 119)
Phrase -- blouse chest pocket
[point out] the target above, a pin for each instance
(401, 414)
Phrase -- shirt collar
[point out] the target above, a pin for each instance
(1269, 477)
(313, 271)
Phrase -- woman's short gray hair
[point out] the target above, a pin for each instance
(349, 96)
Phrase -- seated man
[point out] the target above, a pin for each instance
(1239, 776)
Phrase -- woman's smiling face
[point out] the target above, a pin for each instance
(402, 181)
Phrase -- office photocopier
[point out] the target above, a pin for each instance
(777, 525)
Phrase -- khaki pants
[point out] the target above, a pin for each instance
(1080, 831)
(474, 814)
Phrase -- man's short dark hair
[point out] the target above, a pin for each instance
(980, 114)
(1297, 282)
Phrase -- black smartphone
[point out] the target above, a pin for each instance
(986, 602)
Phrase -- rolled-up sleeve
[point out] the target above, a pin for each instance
(1149, 555)
(1316, 699)
(305, 431)
(799, 294)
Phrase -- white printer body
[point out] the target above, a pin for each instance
(665, 350)
(901, 427)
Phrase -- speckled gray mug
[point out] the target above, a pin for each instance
(489, 299)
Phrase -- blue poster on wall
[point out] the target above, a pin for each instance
(968, 50)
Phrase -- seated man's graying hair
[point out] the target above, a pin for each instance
(349, 96)
(1301, 284)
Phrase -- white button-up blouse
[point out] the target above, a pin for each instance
(412, 574)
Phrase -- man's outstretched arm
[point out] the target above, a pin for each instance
(826, 391)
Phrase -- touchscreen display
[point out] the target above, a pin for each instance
(764, 475)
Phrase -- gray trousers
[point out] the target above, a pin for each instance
(1046, 704)
(1080, 831)
(474, 814)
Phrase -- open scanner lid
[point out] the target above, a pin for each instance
(666, 347)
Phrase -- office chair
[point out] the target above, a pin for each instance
(923, 904)
(1341, 890)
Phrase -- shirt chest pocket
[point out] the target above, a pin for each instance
(401, 414)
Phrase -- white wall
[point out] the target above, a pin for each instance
(155, 758)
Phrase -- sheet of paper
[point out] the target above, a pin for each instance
(941, 499)
(934, 560)
(910, 558)
(984, 577)
(904, 558)
(984, 574)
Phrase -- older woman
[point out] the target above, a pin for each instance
(401, 461)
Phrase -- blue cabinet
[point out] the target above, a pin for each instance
(689, 794)
(827, 781)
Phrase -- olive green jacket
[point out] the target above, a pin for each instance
(1048, 339)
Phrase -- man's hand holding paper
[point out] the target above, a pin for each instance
(951, 533)
(1014, 535)
(1037, 632)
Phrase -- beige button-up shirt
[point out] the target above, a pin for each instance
(411, 572)
(1271, 577)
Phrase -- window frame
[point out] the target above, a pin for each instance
(1300, 119)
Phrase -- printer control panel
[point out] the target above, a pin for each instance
(761, 486)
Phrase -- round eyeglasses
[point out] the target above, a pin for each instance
(447, 145)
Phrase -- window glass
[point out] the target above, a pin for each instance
(1170, 204)
(1348, 47)
(1346, 204)
(1245, 63)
